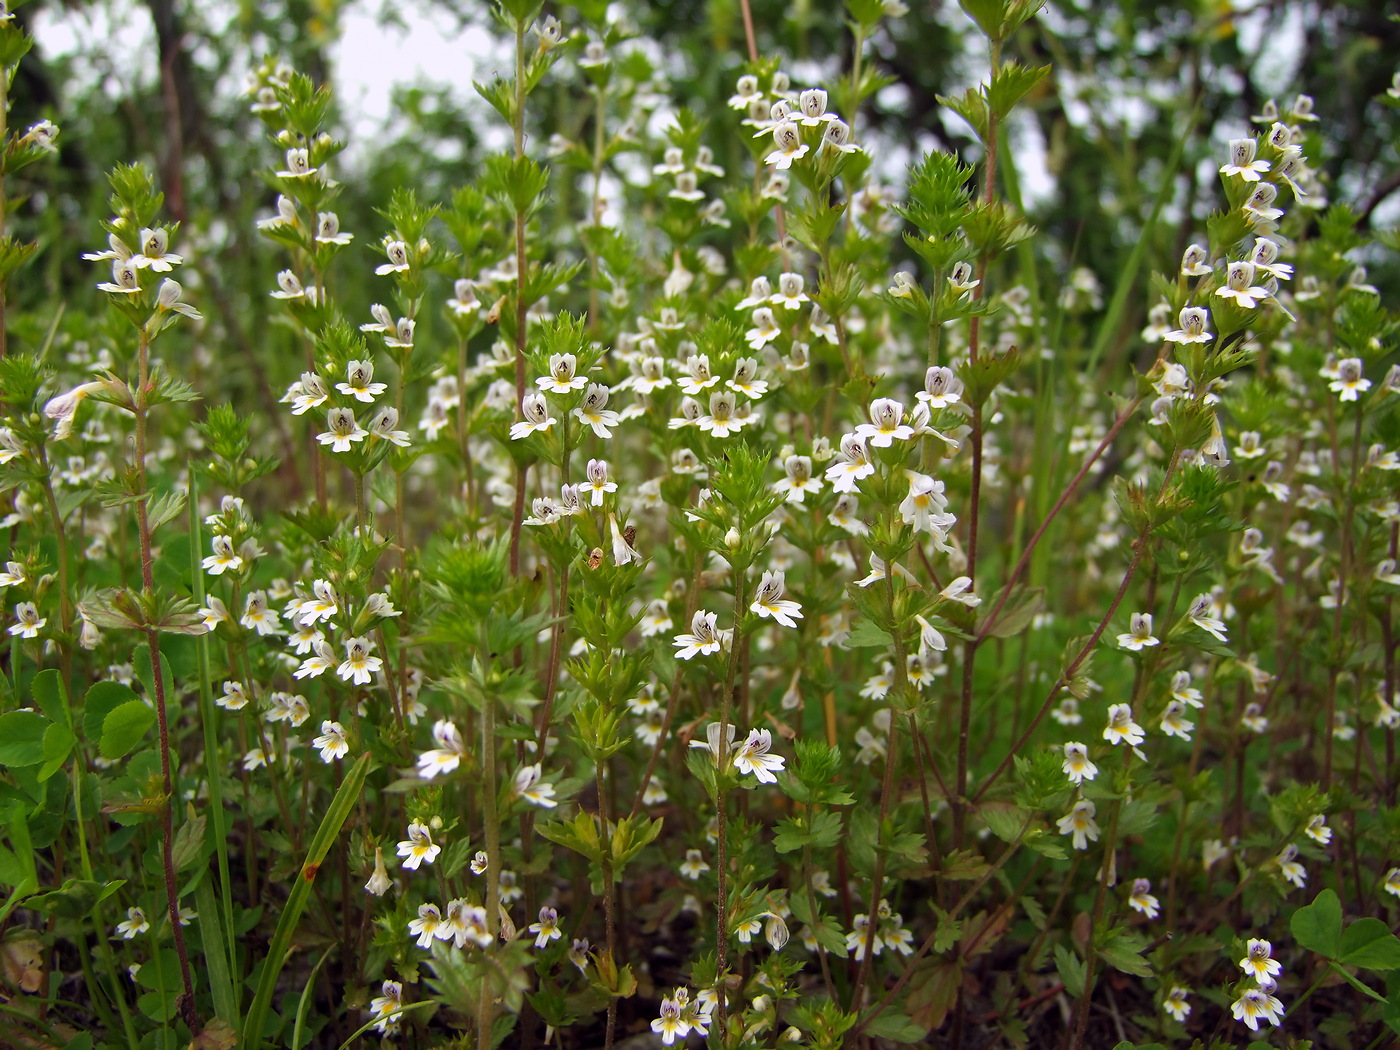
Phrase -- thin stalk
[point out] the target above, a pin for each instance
(167, 831)
(722, 767)
(1106, 871)
(518, 127)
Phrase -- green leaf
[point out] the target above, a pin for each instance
(281, 945)
(58, 745)
(124, 727)
(22, 738)
(101, 700)
(1318, 926)
(896, 1027)
(46, 690)
(1370, 944)
(1123, 950)
(1071, 969)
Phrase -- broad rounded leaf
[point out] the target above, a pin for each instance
(1370, 944)
(22, 738)
(124, 727)
(101, 700)
(1318, 926)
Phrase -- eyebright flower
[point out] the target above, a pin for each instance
(1349, 384)
(769, 601)
(1193, 326)
(885, 426)
(1077, 765)
(529, 787)
(694, 865)
(1139, 634)
(328, 229)
(1289, 867)
(224, 557)
(298, 164)
(397, 253)
(1239, 285)
(134, 924)
(28, 622)
(427, 925)
(1255, 1003)
(153, 253)
(547, 929)
(1242, 162)
(787, 139)
(1175, 1003)
(721, 420)
(419, 846)
(1121, 728)
(534, 411)
(598, 483)
(385, 1009)
(342, 430)
(853, 464)
(753, 757)
(1174, 721)
(593, 411)
(447, 755)
(1200, 615)
(1079, 822)
(331, 743)
(1142, 900)
(1317, 829)
(359, 666)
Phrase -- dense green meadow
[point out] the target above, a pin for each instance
(759, 525)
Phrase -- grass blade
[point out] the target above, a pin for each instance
(330, 827)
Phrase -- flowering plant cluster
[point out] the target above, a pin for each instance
(699, 579)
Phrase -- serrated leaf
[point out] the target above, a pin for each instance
(1071, 969)
(1018, 612)
(165, 508)
(865, 633)
(1123, 951)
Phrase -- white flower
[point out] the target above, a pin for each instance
(1242, 162)
(419, 846)
(1141, 898)
(1079, 822)
(1255, 1003)
(704, 637)
(769, 601)
(134, 924)
(1139, 634)
(753, 757)
(885, 425)
(1349, 384)
(331, 743)
(359, 666)
(529, 787)
(447, 755)
(547, 929)
(1175, 1003)
(386, 1008)
(427, 925)
(534, 412)
(379, 881)
(1121, 728)
(1289, 867)
(397, 253)
(1317, 829)
(694, 865)
(342, 430)
(790, 147)
(28, 622)
(1174, 721)
(1077, 765)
